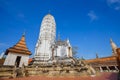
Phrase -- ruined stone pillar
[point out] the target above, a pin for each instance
(108, 68)
(116, 68)
(101, 70)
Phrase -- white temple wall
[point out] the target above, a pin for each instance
(58, 51)
(67, 51)
(11, 58)
(62, 51)
(24, 60)
(44, 50)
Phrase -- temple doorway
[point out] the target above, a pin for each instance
(18, 61)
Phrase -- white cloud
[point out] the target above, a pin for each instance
(115, 4)
(92, 16)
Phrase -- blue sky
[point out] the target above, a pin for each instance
(89, 24)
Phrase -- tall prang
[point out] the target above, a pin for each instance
(43, 50)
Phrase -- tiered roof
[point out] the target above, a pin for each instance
(20, 47)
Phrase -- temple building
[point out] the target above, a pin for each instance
(18, 54)
(63, 49)
(106, 64)
(47, 47)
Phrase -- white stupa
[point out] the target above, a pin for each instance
(46, 38)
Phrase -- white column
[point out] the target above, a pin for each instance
(108, 68)
(116, 68)
(101, 70)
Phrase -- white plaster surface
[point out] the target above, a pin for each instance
(11, 58)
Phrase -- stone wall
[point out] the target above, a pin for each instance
(8, 71)
(60, 70)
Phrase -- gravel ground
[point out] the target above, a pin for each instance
(103, 76)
